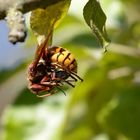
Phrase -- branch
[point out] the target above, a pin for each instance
(13, 10)
(24, 5)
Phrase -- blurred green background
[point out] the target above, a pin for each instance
(106, 106)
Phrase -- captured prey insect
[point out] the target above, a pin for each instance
(52, 67)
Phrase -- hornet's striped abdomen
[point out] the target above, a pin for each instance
(63, 57)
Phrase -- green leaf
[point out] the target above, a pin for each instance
(122, 115)
(96, 18)
(44, 20)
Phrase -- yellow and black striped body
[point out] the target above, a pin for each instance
(63, 58)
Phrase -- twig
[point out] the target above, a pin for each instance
(13, 10)
(24, 5)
